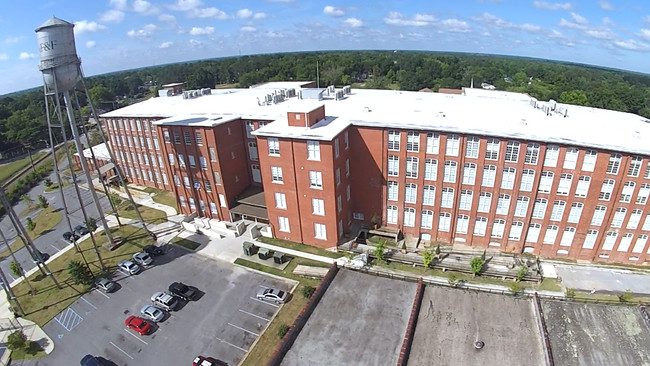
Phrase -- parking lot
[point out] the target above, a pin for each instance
(223, 323)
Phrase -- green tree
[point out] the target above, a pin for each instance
(380, 251)
(427, 258)
(42, 201)
(91, 223)
(283, 330)
(523, 271)
(27, 200)
(48, 182)
(101, 96)
(15, 268)
(30, 224)
(308, 291)
(476, 265)
(16, 340)
(79, 273)
(577, 97)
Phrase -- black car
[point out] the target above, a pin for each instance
(152, 250)
(40, 257)
(90, 360)
(183, 291)
(81, 230)
(70, 237)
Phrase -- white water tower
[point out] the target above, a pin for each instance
(59, 61)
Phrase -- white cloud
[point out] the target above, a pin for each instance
(552, 6)
(605, 5)
(604, 34)
(194, 42)
(248, 29)
(167, 18)
(144, 7)
(207, 13)
(3, 57)
(84, 26)
(244, 13)
(455, 25)
(185, 5)
(607, 21)
(353, 22)
(12, 40)
(145, 33)
(259, 16)
(112, 16)
(333, 11)
(118, 4)
(632, 45)
(579, 19)
(197, 31)
(91, 44)
(26, 56)
(567, 24)
(399, 19)
(646, 19)
(645, 34)
(272, 34)
(496, 22)
(166, 44)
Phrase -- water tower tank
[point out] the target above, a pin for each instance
(59, 60)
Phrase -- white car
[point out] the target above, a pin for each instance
(272, 294)
(152, 313)
(129, 267)
(142, 259)
(165, 301)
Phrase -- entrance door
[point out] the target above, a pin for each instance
(257, 175)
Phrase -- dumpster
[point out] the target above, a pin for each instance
(279, 257)
(264, 253)
(250, 248)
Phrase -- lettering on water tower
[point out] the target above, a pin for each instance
(47, 46)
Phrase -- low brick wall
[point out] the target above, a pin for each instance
(541, 323)
(301, 320)
(410, 329)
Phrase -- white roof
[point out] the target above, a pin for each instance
(100, 150)
(477, 111)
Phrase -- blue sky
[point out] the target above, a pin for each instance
(115, 35)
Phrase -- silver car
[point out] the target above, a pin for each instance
(152, 313)
(129, 267)
(164, 301)
(142, 259)
(105, 284)
(272, 294)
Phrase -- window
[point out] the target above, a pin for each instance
(472, 146)
(177, 180)
(508, 179)
(462, 223)
(393, 165)
(564, 186)
(156, 145)
(567, 236)
(447, 198)
(552, 153)
(347, 192)
(465, 200)
(427, 219)
(392, 191)
(492, 149)
(315, 179)
(198, 138)
(533, 233)
(635, 167)
(192, 204)
(484, 202)
(181, 160)
(429, 193)
(274, 146)
(532, 153)
(444, 221)
(628, 191)
(409, 216)
(646, 175)
(346, 140)
(347, 167)
(181, 199)
(280, 200)
(318, 206)
(252, 151)
(634, 220)
(570, 158)
(575, 213)
(191, 159)
(170, 157)
(213, 154)
(550, 235)
(512, 151)
(188, 139)
(186, 181)
(208, 186)
(503, 204)
(450, 172)
(336, 148)
(217, 178)
(640, 243)
(599, 215)
(213, 207)
(413, 141)
(197, 184)
(489, 175)
(430, 169)
(410, 193)
(498, 228)
(391, 214)
(469, 173)
(614, 163)
(545, 182)
(411, 167)
(610, 240)
(313, 150)
(527, 180)
(276, 174)
(590, 239)
(320, 231)
(453, 143)
(646, 223)
(619, 217)
(250, 127)
(626, 240)
(558, 210)
(433, 143)
(583, 186)
(177, 138)
(283, 224)
(589, 161)
(393, 140)
(606, 190)
(338, 176)
(643, 194)
(515, 230)
(539, 210)
(480, 226)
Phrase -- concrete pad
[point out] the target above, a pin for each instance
(591, 334)
(604, 279)
(361, 320)
(451, 320)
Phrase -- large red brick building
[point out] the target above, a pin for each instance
(483, 168)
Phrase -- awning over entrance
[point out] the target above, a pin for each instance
(250, 211)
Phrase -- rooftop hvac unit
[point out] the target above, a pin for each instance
(347, 89)
(291, 93)
(195, 93)
(553, 104)
(186, 94)
(269, 98)
(206, 91)
(300, 94)
(339, 94)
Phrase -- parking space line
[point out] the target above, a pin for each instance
(121, 350)
(88, 302)
(231, 345)
(55, 248)
(103, 294)
(135, 336)
(264, 302)
(69, 319)
(251, 314)
(247, 331)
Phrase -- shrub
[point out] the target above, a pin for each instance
(91, 224)
(476, 265)
(16, 340)
(453, 279)
(379, 251)
(523, 271)
(438, 249)
(626, 296)
(15, 268)
(570, 293)
(515, 288)
(42, 201)
(79, 274)
(427, 258)
(48, 182)
(30, 224)
(308, 291)
(283, 330)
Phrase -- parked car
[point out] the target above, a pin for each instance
(39, 257)
(272, 294)
(138, 324)
(183, 291)
(105, 284)
(207, 361)
(142, 259)
(153, 250)
(129, 267)
(165, 301)
(81, 230)
(90, 360)
(152, 313)
(70, 237)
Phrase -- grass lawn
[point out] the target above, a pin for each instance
(165, 198)
(186, 243)
(55, 187)
(33, 350)
(149, 215)
(45, 221)
(269, 341)
(301, 247)
(8, 170)
(50, 301)
(15, 245)
(28, 209)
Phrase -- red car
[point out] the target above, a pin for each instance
(138, 324)
(207, 361)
